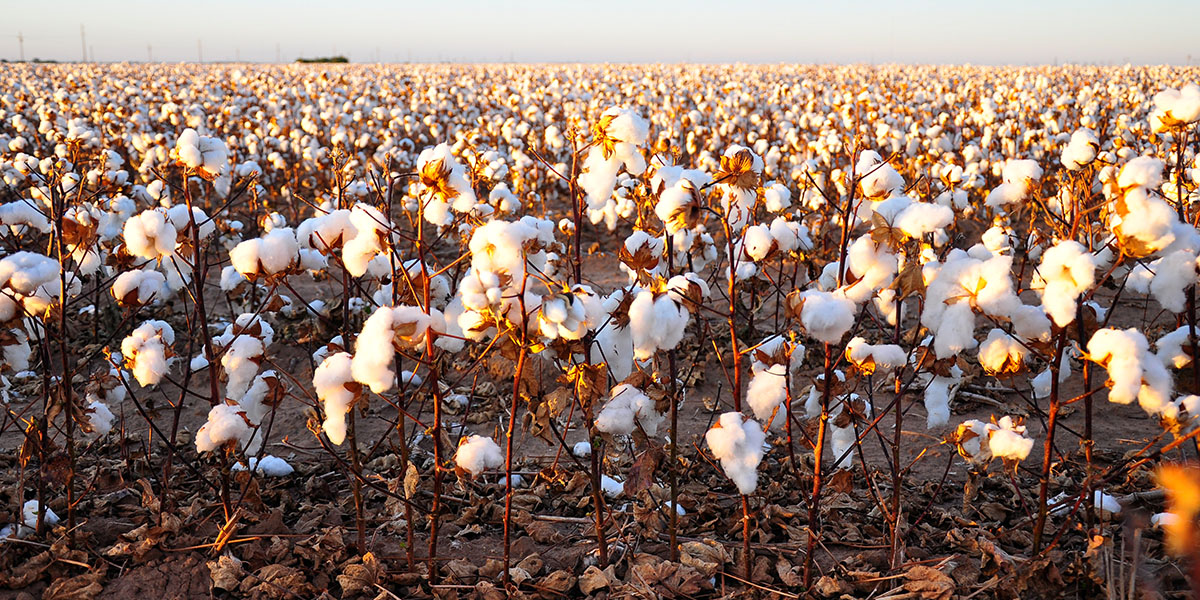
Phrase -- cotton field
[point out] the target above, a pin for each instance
(402, 331)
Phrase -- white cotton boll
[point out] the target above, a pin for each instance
(973, 441)
(23, 214)
(326, 231)
(627, 405)
(477, 454)
(883, 357)
(655, 324)
(150, 235)
(1175, 108)
(1132, 372)
(145, 351)
(374, 349)
(757, 242)
(844, 439)
(888, 306)
(1143, 171)
(29, 514)
(100, 418)
(1106, 503)
(1173, 273)
(938, 394)
(372, 237)
(443, 175)
(1067, 270)
(1170, 348)
(1008, 440)
(956, 331)
(611, 487)
(270, 465)
(1081, 150)
(1001, 353)
(767, 390)
(1030, 323)
(776, 197)
(225, 424)
(335, 387)
(582, 449)
(240, 360)
(826, 316)
(138, 287)
(738, 443)
(921, 218)
(1164, 520)
(1148, 223)
(876, 178)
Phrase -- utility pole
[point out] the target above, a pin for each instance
(200, 51)
(83, 42)
(237, 54)
(21, 44)
(149, 53)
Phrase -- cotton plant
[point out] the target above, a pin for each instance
(617, 136)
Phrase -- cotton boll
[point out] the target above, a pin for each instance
(1067, 271)
(477, 454)
(1173, 273)
(1170, 348)
(1175, 108)
(1008, 441)
(844, 439)
(920, 218)
(375, 347)
(738, 443)
(100, 418)
(627, 405)
(1001, 354)
(135, 288)
(270, 466)
(146, 351)
(767, 390)
(872, 357)
(972, 441)
(939, 392)
(877, 179)
(444, 177)
(1081, 150)
(225, 424)
(582, 449)
(1133, 372)
(150, 235)
(826, 316)
(1030, 323)
(1143, 224)
(956, 331)
(30, 511)
(335, 387)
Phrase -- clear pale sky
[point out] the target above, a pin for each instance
(920, 31)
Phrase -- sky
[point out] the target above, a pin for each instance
(1018, 32)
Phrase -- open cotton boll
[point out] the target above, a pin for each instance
(375, 347)
(920, 218)
(767, 390)
(582, 449)
(146, 351)
(877, 179)
(826, 316)
(29, 514)
(326, 231)
(1133, 372)
(335, 387)
(1067, 270)
(956, 330)
(655, 323)
(1001, 353)
(1030, 323)
(1142, 171)
(939, 392)
(477, 454)
(137, 287)
(240, 359)
(206, 154)
(1018, 177)
(871, 266)
(776, 197)
(444, 177)
(1173, 273)
(372, 237)
(1143, 223)
(23, 214)
(845, 438)
(617, 135)
(872, 357)
(100, 418)
(972, 440)
(1175, 108)
(758, 243)
(276, 252)
(1081, 150)
(739, 176)
(627, 405)
(1008, 441)
(150, 235)
(738, 443)
(270, 465)
(1170, 348)
(225, 424)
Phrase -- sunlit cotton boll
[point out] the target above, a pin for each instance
(477, 454)
(738, 443)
